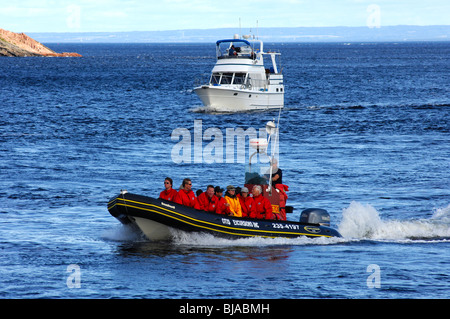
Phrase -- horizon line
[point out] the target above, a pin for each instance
(224, 28)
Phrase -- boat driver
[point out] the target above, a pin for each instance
(277, 173)
(232, 51)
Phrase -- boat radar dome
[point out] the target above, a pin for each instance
(270, 127)
(259, 144)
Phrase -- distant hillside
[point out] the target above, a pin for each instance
(300, 34)
(20, 45)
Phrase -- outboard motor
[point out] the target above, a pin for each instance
(315, 216)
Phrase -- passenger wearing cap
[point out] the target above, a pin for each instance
(221, 207)
(233, 202)
(247, 203)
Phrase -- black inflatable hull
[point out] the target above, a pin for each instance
(155, 217)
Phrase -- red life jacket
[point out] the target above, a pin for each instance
(170, 194)
(248, 206)
(263, 207)
(221, 208)
(283, 197)
(206, 203)
(186, 198)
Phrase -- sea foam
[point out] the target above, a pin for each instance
(362, 221)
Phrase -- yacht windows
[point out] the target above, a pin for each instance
(228, 78)
(236, 49)
(239, 78)
(215, 79)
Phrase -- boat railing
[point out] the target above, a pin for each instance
(257, 84)
(204, 79)
(226, 56)
(273, 51)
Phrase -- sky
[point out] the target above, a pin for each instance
(151, 15)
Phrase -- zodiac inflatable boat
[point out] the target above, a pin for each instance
(157, 218)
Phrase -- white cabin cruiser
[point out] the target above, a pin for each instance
(244, 78)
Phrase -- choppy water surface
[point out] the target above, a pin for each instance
(365, 134)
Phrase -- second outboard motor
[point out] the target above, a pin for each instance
(315, 216)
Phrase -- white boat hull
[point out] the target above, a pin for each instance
(151, 229)
(235, 100)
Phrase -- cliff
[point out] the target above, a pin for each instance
(21, 45)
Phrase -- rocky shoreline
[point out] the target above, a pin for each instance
(20, 45)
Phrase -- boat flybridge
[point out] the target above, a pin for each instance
(244, 78)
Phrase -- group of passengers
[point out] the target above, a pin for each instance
(213, 201)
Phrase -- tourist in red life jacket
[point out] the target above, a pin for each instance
(169, 193)
(262, 205)
(222, 206)
(277, 183)
(282, 189)
(185, 195)
(247, 204)
(208, 201)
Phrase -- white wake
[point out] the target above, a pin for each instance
(364, 222)
(359, 222)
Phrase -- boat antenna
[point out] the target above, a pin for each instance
(271, 129)
(257, 35)
(240, 29)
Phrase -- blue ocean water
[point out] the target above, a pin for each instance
(365, 134)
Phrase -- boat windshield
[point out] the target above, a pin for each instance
(227, 78)
(236, 48)
(257, 174)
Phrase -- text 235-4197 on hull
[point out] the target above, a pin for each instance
(155, 217)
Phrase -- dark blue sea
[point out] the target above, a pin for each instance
(365, 134)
